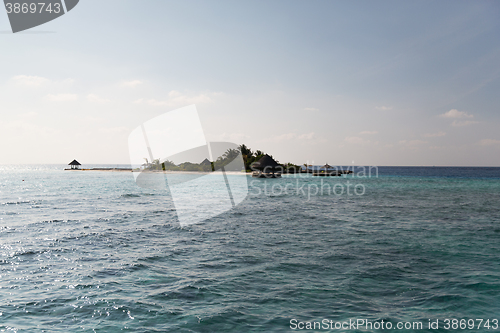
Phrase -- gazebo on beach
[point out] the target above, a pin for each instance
(75, 165)
(266, 167)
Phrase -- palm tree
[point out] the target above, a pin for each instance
(155, 164)
(245, 151)
(231, 154)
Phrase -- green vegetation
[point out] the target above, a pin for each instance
(248, 155)
(204, 166)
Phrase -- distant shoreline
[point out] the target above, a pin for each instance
(102, 169)
(157, 171)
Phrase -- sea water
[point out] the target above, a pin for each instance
(90, 251)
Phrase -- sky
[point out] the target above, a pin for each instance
(339, 82)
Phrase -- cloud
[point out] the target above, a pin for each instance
(308, 136)
(61, 97)
(96, 99)
(368, 132)
(489, 142)
(383, 108)
(132, 84)
(461, 123)
(454, 113)
(311, 109)
(433, 135)
(33, 81)
(176, 99)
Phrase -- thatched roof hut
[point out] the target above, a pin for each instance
(266, 167)
(74, 164)
(266, 163)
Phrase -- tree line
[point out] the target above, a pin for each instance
(249, 157)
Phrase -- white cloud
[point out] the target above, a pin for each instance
(61, 97)
(311, 109)
(308, 136)
(177, 99)
(132, 84)
(489, 142)
(96, 99)
(434, 135)
(461, 123)
(383, 108)
(368, 132)
(454, 113)
(27, 80)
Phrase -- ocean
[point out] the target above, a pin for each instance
(410, 249)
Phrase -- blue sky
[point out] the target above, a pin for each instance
(377, 83)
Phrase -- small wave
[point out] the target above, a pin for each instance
(130, 195)
(27, 253)
(15, 202)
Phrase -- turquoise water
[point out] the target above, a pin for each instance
(92, 251)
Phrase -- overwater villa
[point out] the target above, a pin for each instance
(267, 167)
(329, 171)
